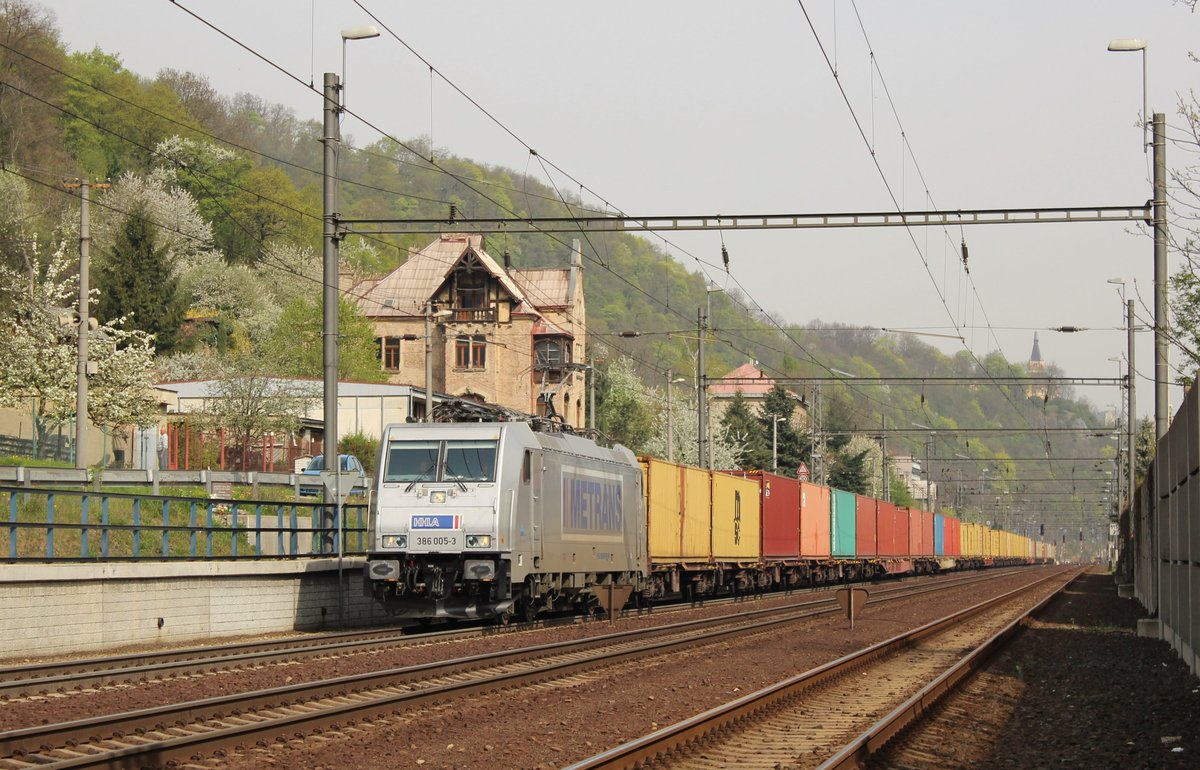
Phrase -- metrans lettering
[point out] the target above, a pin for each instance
(592, 504)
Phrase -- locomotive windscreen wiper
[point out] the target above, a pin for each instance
(446, 474)
(422, 476)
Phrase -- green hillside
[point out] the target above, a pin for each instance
(230, 187)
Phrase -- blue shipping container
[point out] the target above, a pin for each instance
(843, 511)
(939, 535)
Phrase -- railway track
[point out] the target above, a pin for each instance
(826, 717)
(179, 732)
(67, 676)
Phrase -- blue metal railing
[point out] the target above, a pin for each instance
(57, 525)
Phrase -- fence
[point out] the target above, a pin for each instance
(1161, 535)
(62, 525)
(47, 477)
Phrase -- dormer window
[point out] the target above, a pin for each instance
(471, 291)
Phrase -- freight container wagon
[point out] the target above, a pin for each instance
(885, 531)
(815, 507)
(866, 543)
(916, 547)
(842, 524)
(780, 503)
(736, 519)
(903, 536)
(678, 513)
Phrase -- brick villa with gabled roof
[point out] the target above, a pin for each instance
(500, 335)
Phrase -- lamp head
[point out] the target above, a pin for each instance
(1128, 44)
(360, 32)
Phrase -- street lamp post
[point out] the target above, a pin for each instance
(1159, 203)
(354, 33)
(671, 382)
(1137, 44)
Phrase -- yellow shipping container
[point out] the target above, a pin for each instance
(678, 508)
(736, 518)
(971, 539)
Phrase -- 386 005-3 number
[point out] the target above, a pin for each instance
(434, 540)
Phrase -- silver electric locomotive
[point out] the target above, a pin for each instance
(491, 519)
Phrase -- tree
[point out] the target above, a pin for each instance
(136, 282)
(30, 133)
(739, 427)
(40, 360)
(17, 246)
(848, 472)
(247, 404)
(105, 94)
(296, 349)
(900, 494)
(623, 413)
(1145, 446)
(685, 428)
(792, 448)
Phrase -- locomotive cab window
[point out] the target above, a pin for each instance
(455, 460)
(470, 461)
(411, 461)
(526, 466)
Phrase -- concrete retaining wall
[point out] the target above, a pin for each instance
(61, 609)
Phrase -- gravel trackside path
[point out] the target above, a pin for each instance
(1078, 689)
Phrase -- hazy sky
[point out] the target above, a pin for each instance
(693, 107)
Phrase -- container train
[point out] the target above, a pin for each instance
(497, 519)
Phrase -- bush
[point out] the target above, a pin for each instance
(361, 446)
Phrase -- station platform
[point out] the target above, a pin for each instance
(66, 609)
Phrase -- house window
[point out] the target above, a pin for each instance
(550, 358)
(470, 291)
(552, 353)
(470, 352)
(389, 353)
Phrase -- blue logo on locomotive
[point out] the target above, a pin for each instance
(437, 521)
(592, 504)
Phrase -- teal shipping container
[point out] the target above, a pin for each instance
(843, 510)
(939, 535)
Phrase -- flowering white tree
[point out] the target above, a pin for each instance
(40, 360)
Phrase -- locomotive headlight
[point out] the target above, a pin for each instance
(479, 541)
(395, 541)
(437, 496)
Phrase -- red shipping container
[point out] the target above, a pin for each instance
(901, 538)
(865, 542)
(885, 530)
(927, 533)
(780, 514)
(953, 541)
(915, 530)
(815, 513)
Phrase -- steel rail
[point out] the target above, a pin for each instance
(60, 676)
(296, 712)
(855, 754)
(638, 752)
